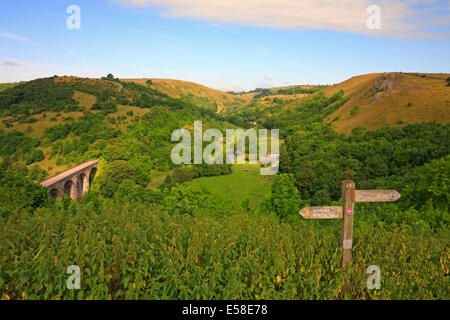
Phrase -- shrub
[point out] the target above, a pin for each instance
(285, 199)
(36, 156)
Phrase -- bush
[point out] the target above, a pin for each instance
(106, 107)
(115, 173)
(57, 132)
(285, 199)
(36, 156)
(17, 192)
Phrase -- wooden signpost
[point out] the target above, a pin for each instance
(346, 212)
(321, 213)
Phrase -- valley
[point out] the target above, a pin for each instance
(152, 229)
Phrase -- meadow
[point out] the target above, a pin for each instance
(238, 186)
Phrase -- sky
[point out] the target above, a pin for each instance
(227, 44)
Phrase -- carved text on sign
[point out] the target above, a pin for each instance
(376, 195)
(322, 212)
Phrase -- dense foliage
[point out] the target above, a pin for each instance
(289, 90)
(133, 252)
(37, 96)
(319, 159)
(18, 191)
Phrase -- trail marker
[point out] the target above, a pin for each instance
(346, 212)
(376, 195)
(321, 212)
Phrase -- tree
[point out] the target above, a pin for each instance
(107, 107)
(36, 155)
(116, 172)
(17, 191)
(285, 199)
(430, 183)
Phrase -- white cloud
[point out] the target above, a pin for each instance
(400, 18)
(12, 36)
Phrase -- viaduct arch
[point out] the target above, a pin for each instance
(75, 182)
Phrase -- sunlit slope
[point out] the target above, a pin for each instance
(287, 94)
(389, 99)
(84, 95)
(179, 89)
(4, 86)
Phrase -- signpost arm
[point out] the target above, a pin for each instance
(348, 198)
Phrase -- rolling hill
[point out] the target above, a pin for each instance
(390, 99)
(199, 93)
(386, 99)
(373, 100)
(30, 111)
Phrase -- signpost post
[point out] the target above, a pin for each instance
(346, 212)
(348, 198)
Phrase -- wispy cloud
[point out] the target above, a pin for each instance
(280, 55)
(156, 34)
(400, 18)
(10, 63)
(300, 65)
(73, 54)
(12, 36)
(89, 21)
(146, 72)
(27, 70)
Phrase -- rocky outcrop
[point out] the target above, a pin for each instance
(382, 86)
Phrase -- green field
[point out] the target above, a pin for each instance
(238, 186)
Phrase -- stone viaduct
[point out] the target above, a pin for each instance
(74, 182)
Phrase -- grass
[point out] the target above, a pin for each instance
(238, 186)
(178, 89)
(249, 166)
(427, 99)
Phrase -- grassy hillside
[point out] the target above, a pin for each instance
(391, 99)
(201, 94)
(370, 101)
(4, 86)
(68, 119)
(33, 115)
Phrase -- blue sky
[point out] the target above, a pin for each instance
(224, 45)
